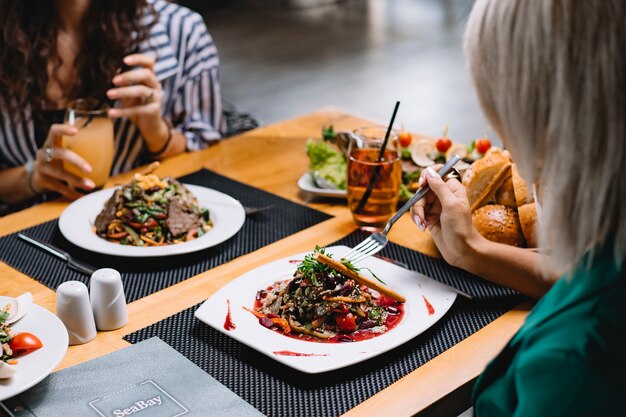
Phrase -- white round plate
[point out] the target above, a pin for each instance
(76, 222)
(307, 184)
(313, 357)
(35, 366)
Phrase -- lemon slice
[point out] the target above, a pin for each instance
(422, 148)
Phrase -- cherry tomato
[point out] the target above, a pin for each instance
(346, 322)
(443, 144)
(23, 343)
(386, 301)
(482, 145)
(405, 138)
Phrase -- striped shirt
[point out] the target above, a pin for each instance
(187, 68)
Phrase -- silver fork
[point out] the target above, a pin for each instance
(377, 241)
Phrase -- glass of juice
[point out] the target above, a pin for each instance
(94, 139)
(380, 174)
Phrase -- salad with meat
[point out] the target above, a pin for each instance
(150, 211)
(324, 304)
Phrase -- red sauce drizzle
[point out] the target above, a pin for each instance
(295, 261)
(429, 306)
(228, 323)
(290, 353)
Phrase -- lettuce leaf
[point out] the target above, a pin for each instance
(329, 162)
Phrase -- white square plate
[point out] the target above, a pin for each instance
(313, 357)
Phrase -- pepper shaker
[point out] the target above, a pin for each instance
(74, 310)
(108, 300)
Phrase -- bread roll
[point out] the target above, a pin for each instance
(499, 223)
(528, 221)
(522, 194)
(484, 177)
(494, 150)
(505, 195)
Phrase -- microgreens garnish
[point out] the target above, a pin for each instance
(351, 266)
(310, 266)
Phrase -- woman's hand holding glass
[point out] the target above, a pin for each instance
(48, 173)
(141, 95)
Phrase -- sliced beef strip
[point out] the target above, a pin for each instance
(108, 212)
(179, 220)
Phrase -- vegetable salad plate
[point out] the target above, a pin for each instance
(229, 311)
(35, 366)
(77, 224)
(307, 183)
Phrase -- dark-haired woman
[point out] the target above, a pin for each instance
(153, 59)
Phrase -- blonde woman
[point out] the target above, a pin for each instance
(551, 77)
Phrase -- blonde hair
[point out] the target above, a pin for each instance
(551, 78)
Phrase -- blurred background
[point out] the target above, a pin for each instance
(282, 58)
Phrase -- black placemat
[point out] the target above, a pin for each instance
(277, 390)
(144, 276)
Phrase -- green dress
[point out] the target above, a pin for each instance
(569, 357)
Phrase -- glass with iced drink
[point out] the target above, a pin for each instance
(94, 139)
(383, 176)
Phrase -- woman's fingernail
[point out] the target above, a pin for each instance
(128, 60)
(111, 93)
(114, 113)
(431, 173)
(418, 222)
(86, 168)
(117, 79)
(89, 183)
(420, 181)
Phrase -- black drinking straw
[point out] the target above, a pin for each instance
(376, 173)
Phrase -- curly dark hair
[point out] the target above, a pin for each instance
(112, 30)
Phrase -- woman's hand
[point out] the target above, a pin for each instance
(445, 211)
(48, 172)
(141, 95)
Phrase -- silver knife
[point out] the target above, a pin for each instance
(72, 263)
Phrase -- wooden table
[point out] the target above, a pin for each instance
(273, 158)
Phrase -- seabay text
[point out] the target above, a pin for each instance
(138, 406)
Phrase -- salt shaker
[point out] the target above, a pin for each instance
(107, 299)
(74, 310)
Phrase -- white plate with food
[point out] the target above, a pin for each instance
(151, 217)
(333, 322)
(307, 183)
(34, 366)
